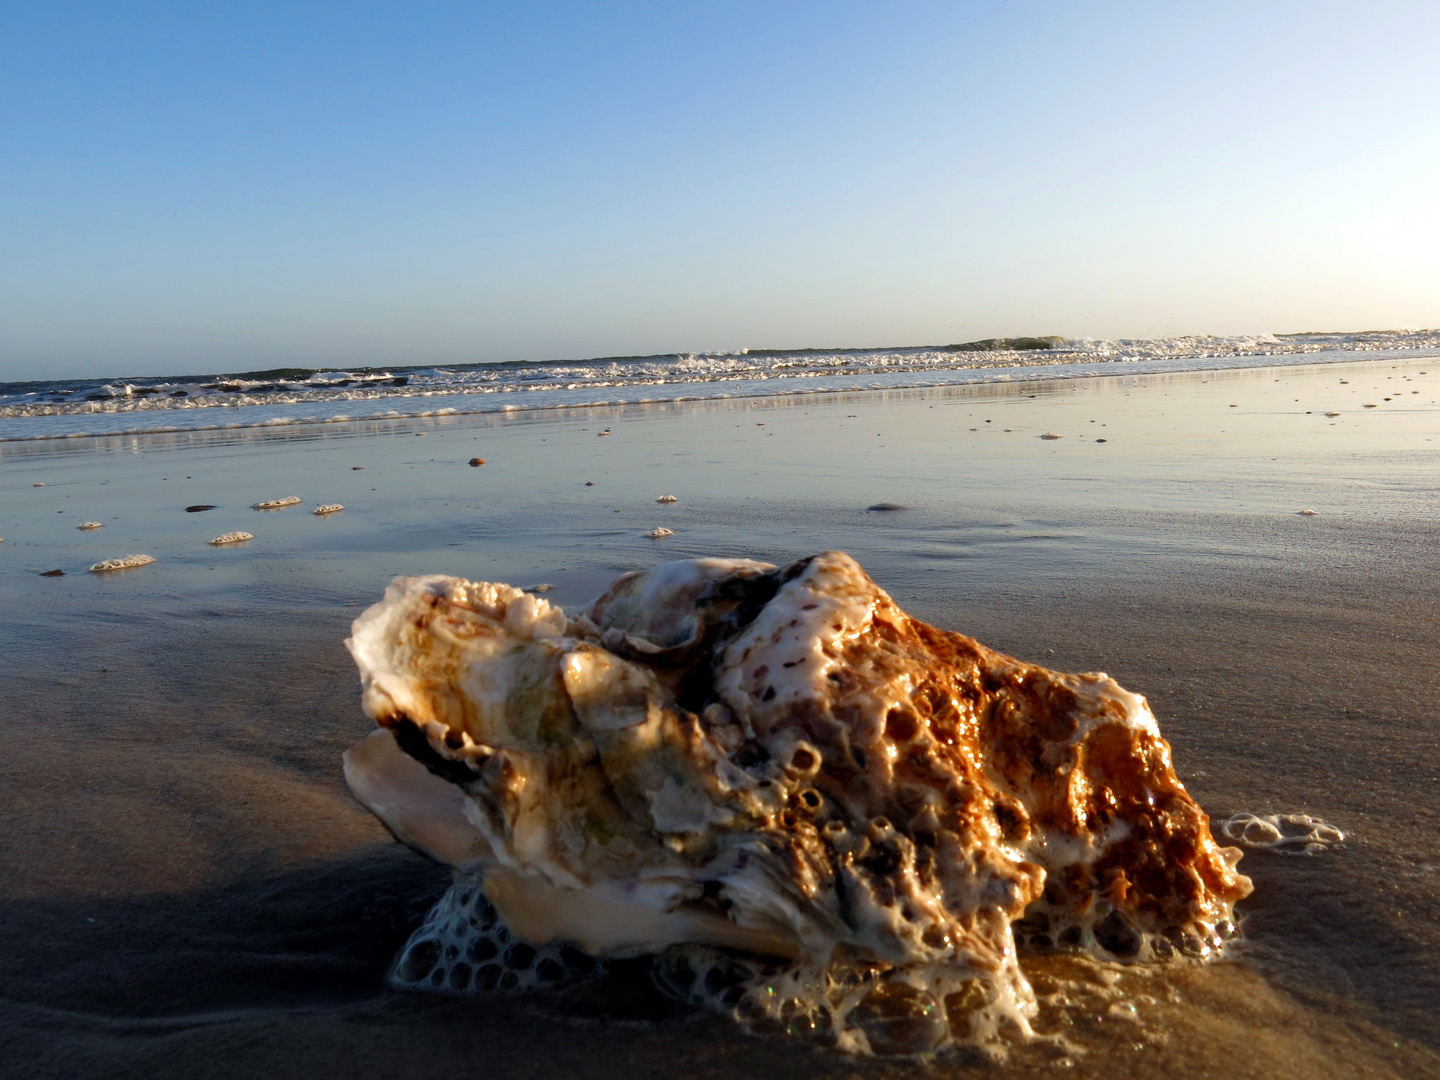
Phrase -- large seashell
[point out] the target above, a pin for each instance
(720, 753)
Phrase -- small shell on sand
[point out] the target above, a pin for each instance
(1306, 513)
(328, 508)
(90, 525)
(37, 485)
(658, 532)
(602, 434)
(1049, 435)
(476, 462)
(277, 504)
(667, 499)
(232, 538)
(122, 564)
(1372, 406)
(199, 508)
(1332, 414)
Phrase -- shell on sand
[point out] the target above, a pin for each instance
(232, 538)
(328, 508)
(725, 755)
(277, 504)
(659, 531)
(667, 499)
(87, 525)
(123, 563)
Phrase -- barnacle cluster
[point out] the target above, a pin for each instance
(816, 812)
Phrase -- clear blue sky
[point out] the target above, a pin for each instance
(201, 186)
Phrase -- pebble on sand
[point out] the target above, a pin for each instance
(356, 468)
(1332, 414)
(199, 508)
(1307, 513)
(589, 483)
(38, 485)
(659, 531)
(602, 434)
(87, 525)
(231, 538)
(1372, 406)
(52, 573)
(477, 461)
(277, 504)
(667, 499)
(123, 563)
(1049, 435)
(328, 508)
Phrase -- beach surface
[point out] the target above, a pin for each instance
(190, 890)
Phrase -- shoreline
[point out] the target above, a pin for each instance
(1017, 375)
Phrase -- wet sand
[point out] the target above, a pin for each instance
(189, 889)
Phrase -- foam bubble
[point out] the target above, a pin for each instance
(1281, 834)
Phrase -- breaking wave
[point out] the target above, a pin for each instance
(71, 408)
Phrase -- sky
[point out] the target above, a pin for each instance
(205, 186)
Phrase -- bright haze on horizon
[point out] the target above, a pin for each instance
(197, 187)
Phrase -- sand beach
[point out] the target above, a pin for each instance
(189, 888)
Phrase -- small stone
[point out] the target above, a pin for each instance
(356, 468)
(1307, 513)
(1049, 435)
(659, 531)
(667, 499)
(53, 573)
(589, 483)
(201, 508)
(476, 462)
(88, 525)
(1332, 414)
(39, 485)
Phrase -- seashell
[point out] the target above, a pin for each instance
(327, 508)
(277, 504)
(659, 531)
(1332, 414)
(200, 509)
(88, 525)
(841, 782)
(1049, 435)
(37, 485)
(476, 462)
(1306, 513)
(232, 538)
(123, 563)
(667, 499)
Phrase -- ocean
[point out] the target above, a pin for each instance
(283, 396)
